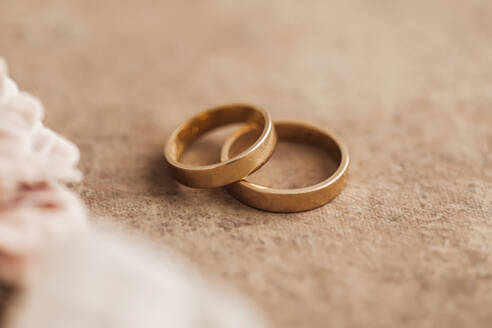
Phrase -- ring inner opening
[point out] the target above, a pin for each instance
(302, 158)
(199, 141)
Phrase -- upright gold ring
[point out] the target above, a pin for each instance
(231, 169)
(300, 199)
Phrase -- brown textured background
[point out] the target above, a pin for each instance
(407, 84)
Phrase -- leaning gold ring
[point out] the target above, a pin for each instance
(300, 199)
(230, 170)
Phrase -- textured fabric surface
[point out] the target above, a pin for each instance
(407, 84)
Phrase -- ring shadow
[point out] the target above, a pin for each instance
(162, 184)
(293, 165)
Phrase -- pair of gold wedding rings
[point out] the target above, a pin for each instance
(233, 170)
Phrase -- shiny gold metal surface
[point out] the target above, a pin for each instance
(292, 200)
(231, 169)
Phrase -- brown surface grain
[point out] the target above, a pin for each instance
(407, 84)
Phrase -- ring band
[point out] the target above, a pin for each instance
(299, 199)
(230, 170)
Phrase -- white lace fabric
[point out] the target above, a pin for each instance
(35, 209)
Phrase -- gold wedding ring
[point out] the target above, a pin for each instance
(231, 169)
(300, 199)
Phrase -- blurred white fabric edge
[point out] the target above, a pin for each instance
(86, 276)
(99, 279)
